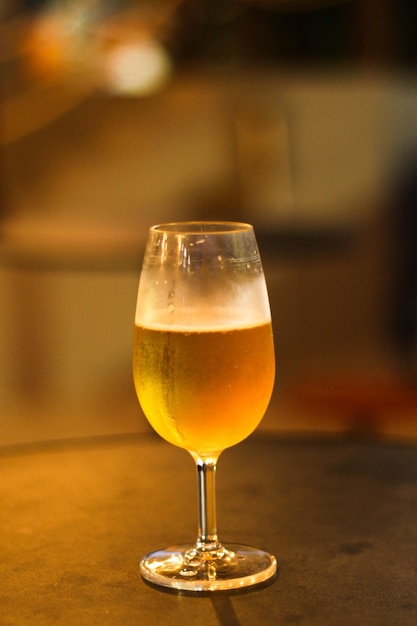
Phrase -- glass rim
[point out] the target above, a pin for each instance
(201, 227)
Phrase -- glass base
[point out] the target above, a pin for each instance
(187, 567)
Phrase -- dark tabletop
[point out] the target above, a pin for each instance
(340, 516)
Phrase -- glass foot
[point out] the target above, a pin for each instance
(190, 568)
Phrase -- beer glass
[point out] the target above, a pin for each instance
(204, 372)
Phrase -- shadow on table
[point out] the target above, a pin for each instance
(222, 604)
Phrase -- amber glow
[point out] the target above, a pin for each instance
(204, 391)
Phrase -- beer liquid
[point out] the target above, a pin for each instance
(205, 389)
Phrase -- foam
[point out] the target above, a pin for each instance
(203, 320)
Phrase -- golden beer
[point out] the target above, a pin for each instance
(204, 389)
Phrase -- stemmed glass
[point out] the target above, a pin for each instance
(204, 372)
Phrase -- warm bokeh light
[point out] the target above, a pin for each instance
(137, 68)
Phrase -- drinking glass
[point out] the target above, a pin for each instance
(204, 372)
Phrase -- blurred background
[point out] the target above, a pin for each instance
(298, 116)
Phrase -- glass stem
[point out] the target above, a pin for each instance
(207, 527)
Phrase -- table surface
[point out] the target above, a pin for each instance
(340, 516)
